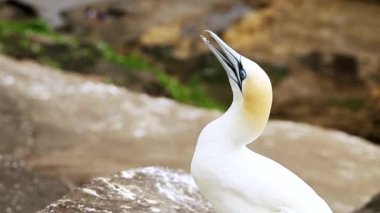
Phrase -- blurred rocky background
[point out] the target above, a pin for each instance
(89, 111)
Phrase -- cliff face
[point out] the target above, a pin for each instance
(324, 56)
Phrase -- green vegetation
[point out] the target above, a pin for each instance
(190, 94)
(34, 39)
(275, 72)
(352, 103)
(25, 27)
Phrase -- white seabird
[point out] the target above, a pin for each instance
(231, 177)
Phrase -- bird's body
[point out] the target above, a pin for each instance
(233, 178)
(236, 179)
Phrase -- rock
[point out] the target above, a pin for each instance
(328, 160)
(125, 25)
(50, 10)
(373, 206)
(16, 130)
(336, 50)
(274, 30)
(81, 116)
(137, 81)
(13, 10)
(149, 189)
(259, 3)
(79, 129)
(23, 191)
(331, 56)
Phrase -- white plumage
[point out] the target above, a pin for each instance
(233, 178)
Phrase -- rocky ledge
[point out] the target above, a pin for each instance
(149, 189)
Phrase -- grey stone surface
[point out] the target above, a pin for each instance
(23, 191)
(149, 189)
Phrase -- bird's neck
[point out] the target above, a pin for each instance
(234, 129)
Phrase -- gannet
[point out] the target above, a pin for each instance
(230, 176)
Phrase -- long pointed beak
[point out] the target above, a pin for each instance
(231, 60)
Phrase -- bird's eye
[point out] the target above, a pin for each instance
(242, 74)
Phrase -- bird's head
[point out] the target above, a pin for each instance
(251, 87)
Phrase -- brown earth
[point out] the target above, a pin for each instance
(330, 49)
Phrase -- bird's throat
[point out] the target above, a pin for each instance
(242, 123)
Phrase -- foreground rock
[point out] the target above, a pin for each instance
(147, 189)
(23, 191)
(64, 125)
